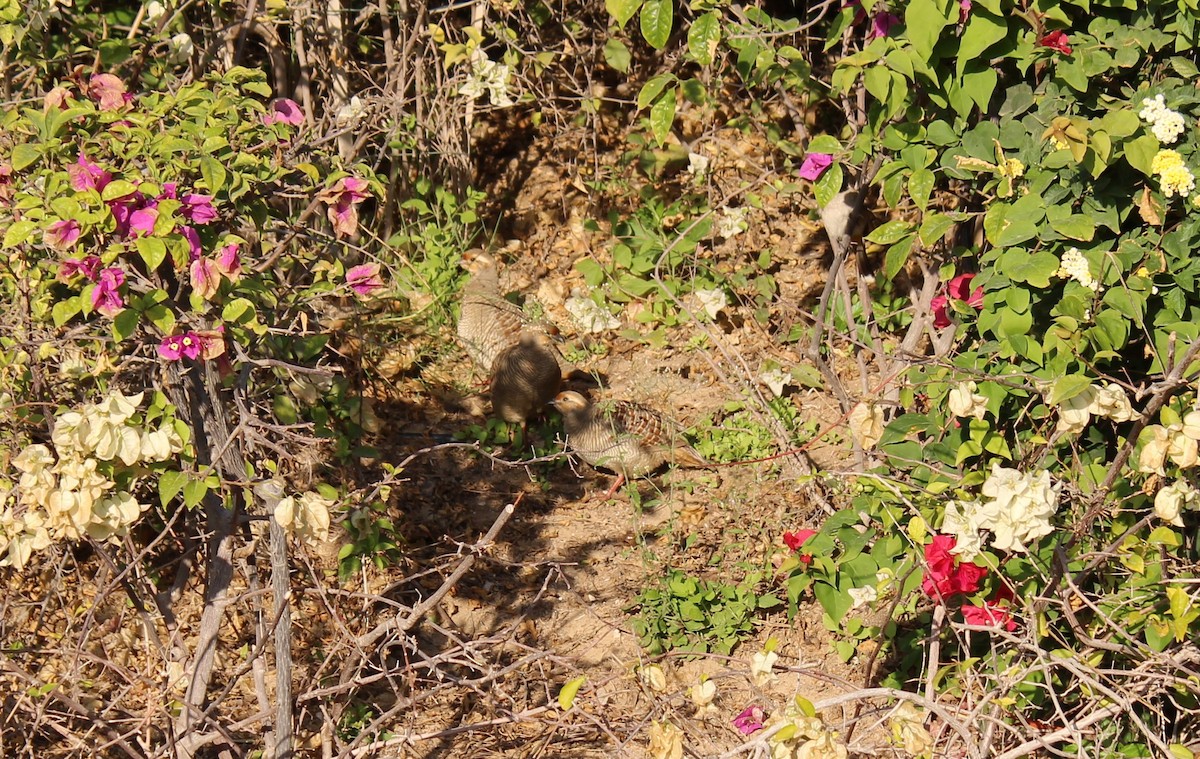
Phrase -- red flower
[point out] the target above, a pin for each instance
(995, 612)
(943, 578)
(1056, 40)
(794, 540)
(959, 288)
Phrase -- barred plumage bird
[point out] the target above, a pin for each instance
(623, 436)
(488, 322)
(525, 377)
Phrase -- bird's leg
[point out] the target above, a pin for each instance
(615, 485)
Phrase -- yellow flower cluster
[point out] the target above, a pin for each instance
(65, 494)
(1173, 176)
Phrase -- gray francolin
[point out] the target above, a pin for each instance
(623, 436)
(488, 322)
(525, 378)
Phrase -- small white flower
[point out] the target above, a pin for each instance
(307, 517)
(1170, 501)
(1154, 451)
(702, 696)
(908, 729)
(351, 112)
(711, 301)
(1191, 425)
(590, 316)
(1111, 402)
(181, 46)
(488, 77)
(1075, 266)
(1018, 507)
(776, 380)
(1075, 412)
(962, 520)
(732, 222)
(654, 677)
(862, 596)
(697, 165)
(964, 401)
(866, 425)
(154, 12)
(760, 668)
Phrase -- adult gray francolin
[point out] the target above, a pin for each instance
(488, 322)
(623, 436)
(525, 377)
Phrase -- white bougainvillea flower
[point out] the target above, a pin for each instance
(825, 746)
(712, 302)
(306, 517)
(866, 425)
(1191, 425)
(111, 440)
(963, 520)
(702, 695)
(732, 222)
(70, 429)
(1154, 450)
(1075, 412)
(761, 665)
(908, 729)
(697, 165)
(666, 741)
(118, 408)
(24, 535)
(964, 401)
(589, 315)
(1181, 449)
(160, 444)
(112, 517)
(862, 596)
(1018, 507)
(653, 677)
(1170, 502)
(775, 379)
(1112, 403)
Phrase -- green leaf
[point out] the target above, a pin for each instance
(65, 310)
(703, 37)
(213, 173)
(194, 492)
(1140, 153)
(920, 185)
(153, 251)
(897, 256)
(169, 485)
(824, 143)
(662, 115)
(616, 55)
(934, 227)
(656, 18)
(653, 88)
(924, 20)
(238, 311)
(622, 10)
(24, 155)
(118, 188)
(979, 86)
(566, 696)
(1067, 387)
(125, 324)
(890, 232)
(285, 409)
(1075, 226)
(592, 273)
(982, 31)
(828, 185)
(18, 232)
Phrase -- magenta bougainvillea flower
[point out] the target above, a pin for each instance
(56, 98)
(142, 220)
(229, 262)
(750, 720)
(205, 278)
(881, 25)
(794, 540)
(175, 347)
(1056, 40)
(815, 165)
(106, 296)
(88, 266)
(193, 239)
(943, 577)
(364, 279)
(61, 234)
(284, 111)
(958, 289)
(108, 91)
(198, 209)
(964, 11)
(343, 196)
(86, 175)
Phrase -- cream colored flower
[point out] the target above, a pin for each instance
(760, 668)
(1074, 265)
(775, 379)
(1191, 425)
(712, 302)
(154, 12)
(591, 317)
(23, 535)
(908, 729)
(862, 596)
(113, 516)
(698, 165)
(732, 222)
(1170, 502)
(866, 425)
(118, 408)
(160, 444)
(653, 677)
(826, 746)
(70, 428)
(1164, 160)
(666, 741)
(1112, 403)
(702, 695)
(964, 401)
(1154, 451)
(1181, 449)
(307, 517)
(1018, 507)
(1075, 412)
(962, 519)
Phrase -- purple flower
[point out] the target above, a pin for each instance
(229, 262)
(175, 347)
(364, 279)
(141, 221)
(815, 165)
(750, 720)
(88, 266)
(105, 296)
(964, 10)
(342, 197)
(86, 175)
(284, 111)
(198, 209)
(170, 191)
(205, 278)
(882, 24)
(108, 91)
(61, 234)
(193, 238)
